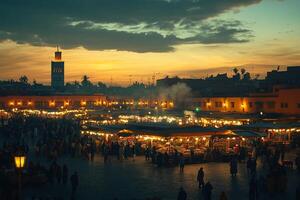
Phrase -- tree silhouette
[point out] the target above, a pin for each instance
(23, 79)
(101, 85)
(243, 71)
(235, 70)
(237, 75)
(85, 81)
(247, 76)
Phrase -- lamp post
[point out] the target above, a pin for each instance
(19, 164)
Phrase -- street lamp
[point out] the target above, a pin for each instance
(19, 164)
(20, 161)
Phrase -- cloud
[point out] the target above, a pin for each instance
(130, 25)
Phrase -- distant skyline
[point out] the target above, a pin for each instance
(127, 40)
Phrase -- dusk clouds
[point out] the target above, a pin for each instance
(129, 25)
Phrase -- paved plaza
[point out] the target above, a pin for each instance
(140, 180)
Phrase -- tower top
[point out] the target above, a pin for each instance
(57, 54)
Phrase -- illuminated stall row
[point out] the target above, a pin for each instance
(282, 135)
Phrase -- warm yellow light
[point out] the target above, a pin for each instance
(242, 105)
(29, 103)
(83, 103)
(51, 103)
(19, 103)
(208, 103)
(224, 105)
(11, 103)
(66, 103)
(20, 161)
(171, 104)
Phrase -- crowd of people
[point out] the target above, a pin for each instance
(50, 139)
(45, 138)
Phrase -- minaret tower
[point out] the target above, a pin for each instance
(57, 70)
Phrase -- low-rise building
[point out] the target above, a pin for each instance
(48, 102)
(280, 101)
(78, 101)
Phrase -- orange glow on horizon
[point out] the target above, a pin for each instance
(113, 67)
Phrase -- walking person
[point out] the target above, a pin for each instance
(65, 174)
(297, 162)
(249, 161)
(253, 189)
(181, 163)
(92, 152)
(133, 152)
(74, 182)
(233, 167)
(106, 152)
(253, 167)
(207, 191)
(200, 178)
(223, 196)
(58, 174)
(182, 195)
(298, 192)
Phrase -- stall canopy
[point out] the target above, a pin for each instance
(164, 130)
(247, 133)
(272, 125)
(172, 130)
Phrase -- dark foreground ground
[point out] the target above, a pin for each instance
(141, 180)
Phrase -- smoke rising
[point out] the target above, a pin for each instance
(179, 94)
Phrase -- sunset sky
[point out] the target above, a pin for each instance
(111, 40)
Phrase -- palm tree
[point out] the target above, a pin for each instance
(85, 81)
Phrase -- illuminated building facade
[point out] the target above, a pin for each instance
(78, 101)
(52, 102)
(57, 71)
(280, 101)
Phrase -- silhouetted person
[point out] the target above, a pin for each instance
(58, 174)
(92, 153)
(181, 194)
(65, 174)
(74, 181)
(233, 167)
(249, 162)
(207, 190)
(298, 192)
(297, 162)
(200, 177)
(223, 196)
(253, 189)
(181, 163)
